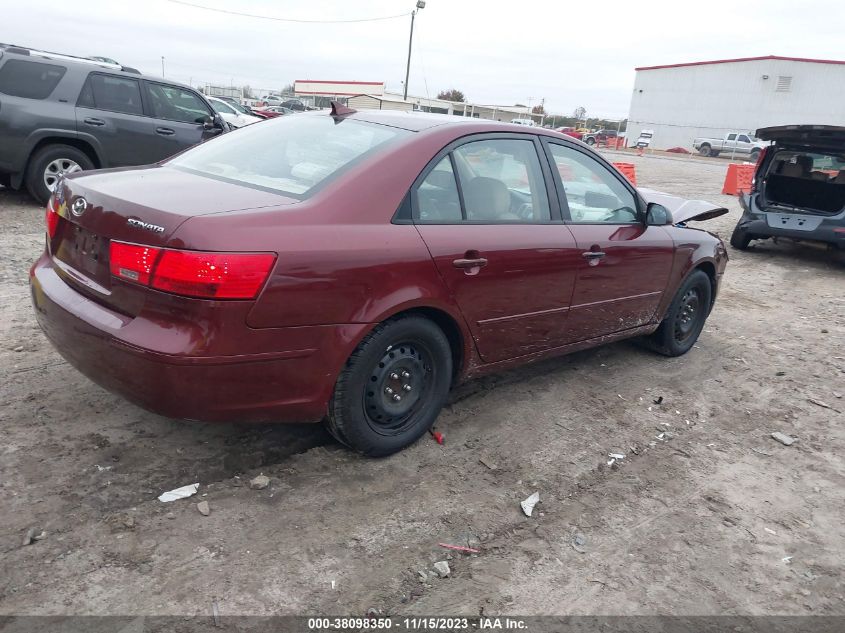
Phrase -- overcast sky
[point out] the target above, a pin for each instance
(571, 54)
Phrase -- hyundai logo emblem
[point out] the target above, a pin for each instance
(78, 207)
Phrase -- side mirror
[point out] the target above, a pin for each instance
(657, 215)
(208, 123)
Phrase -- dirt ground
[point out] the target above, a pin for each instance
(714, 518)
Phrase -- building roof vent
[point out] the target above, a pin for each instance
(784, 84)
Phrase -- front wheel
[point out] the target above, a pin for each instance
(590, 141)
(392, 388)
(685, 318)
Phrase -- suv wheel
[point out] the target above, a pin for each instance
(48, 164)
(590, 140)
(685, 318)
(740, 239)
(392, 388)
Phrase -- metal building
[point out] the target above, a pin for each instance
(682, 101)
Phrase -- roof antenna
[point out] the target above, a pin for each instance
(338, 109)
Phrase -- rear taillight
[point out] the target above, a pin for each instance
(760, 158)
(132, 262)
(192, 273)
(52, 217)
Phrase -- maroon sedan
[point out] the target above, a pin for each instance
(353, 266)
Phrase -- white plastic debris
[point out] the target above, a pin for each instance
(614, 457)
(529, 503)
(783, 438)
(179, 493)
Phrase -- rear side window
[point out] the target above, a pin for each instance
(288, 155)
(114, 94)
(30, 80)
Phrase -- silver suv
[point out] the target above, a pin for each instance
(60, 113)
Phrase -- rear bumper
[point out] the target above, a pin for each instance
(277, 374)
(760, 224)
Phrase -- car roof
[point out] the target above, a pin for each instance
(13, 51)
(421, 121)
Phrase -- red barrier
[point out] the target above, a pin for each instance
(628, 170)
(738, 179)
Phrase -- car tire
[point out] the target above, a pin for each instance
(590, 141)
(704, 150)
(740, 238)
(407, 358)
(53, 160)
(754, 156)
(685, 317)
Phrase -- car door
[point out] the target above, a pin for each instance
(743, 144)
(487, 212)
(624, 264)
(110, 109)
(178, 115)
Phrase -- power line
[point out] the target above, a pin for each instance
(275, 19)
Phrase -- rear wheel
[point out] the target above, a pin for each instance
(740, 238)
(685, 318)
(704, 150)
(392, 388)
(48, 164)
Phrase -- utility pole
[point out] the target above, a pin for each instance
(162, 65)
(420, 5)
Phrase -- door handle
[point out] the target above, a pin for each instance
(92, 121)
(165, 131)
(593, 254)
(477, 262)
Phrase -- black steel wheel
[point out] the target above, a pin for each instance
(740, 238)
(393, 387)
(685, 317)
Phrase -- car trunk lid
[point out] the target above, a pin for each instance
(95, 209)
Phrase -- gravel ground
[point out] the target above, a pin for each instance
(715, 518)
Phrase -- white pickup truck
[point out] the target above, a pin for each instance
(737, 143)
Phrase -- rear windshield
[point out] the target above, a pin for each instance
(30, 80)
(288, 155)
(813, 165)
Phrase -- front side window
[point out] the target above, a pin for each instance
(288, 155)
(501, 181)
(30, 80)
(594, 194)
(176, 104)
(744, 139)
(731, 137)
(114, 94)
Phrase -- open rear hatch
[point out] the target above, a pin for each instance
(805, 171)
(139, 206)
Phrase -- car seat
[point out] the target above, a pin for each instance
(488, 199)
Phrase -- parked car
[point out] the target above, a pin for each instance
(737, 143)
(526, 122)
(60, 114)
(798, 191)
(353, 266)
(271, 100)
(599, 136)
(295, 105)
(571, 131)
(233, 115)
(271, 112)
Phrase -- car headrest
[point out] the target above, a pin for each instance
(486, 198)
